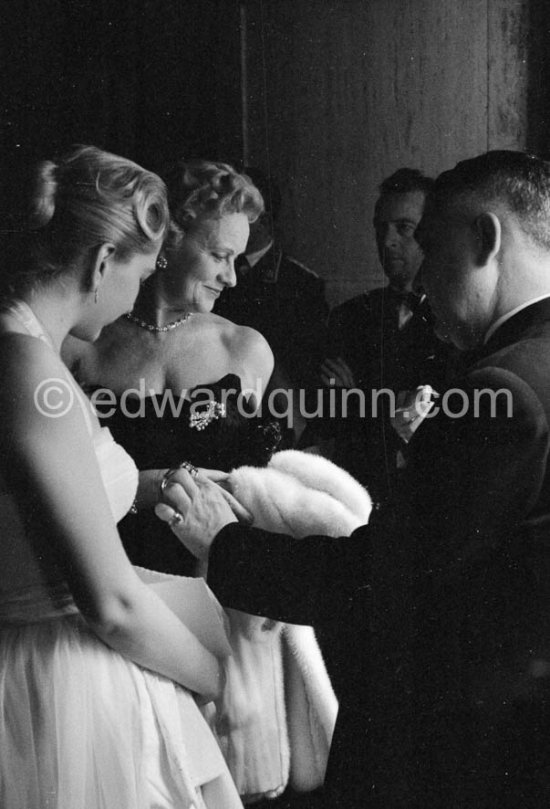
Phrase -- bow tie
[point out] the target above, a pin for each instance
(410, 299)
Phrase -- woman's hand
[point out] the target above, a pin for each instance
(149, 489)
(216, 475)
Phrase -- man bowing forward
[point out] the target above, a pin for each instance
(448, 587)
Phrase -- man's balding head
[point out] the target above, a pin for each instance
(486, 240)
(503, 180)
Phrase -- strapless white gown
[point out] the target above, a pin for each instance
(81, 726)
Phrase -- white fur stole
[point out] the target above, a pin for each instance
(277, 715)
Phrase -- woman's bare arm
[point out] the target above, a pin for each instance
(53, 471)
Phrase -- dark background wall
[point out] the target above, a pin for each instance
(350, 91)
(147, 78)
(331, 95)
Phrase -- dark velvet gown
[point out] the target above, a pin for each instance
(213, 427)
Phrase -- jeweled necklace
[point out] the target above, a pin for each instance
(151, 327)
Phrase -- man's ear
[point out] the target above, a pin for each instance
(100, 263)
(489, 237)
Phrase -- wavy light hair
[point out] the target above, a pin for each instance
(86, 198)
(203, 188)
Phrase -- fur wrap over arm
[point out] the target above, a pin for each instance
(276, 717)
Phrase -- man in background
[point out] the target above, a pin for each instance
(384, 339)
(448, 590)
(281, 298)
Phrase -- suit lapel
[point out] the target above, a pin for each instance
(517, 327)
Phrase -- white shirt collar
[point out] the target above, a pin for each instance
(499, 322)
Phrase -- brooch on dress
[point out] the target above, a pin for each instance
(214, 410)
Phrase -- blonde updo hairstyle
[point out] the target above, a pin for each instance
(202, 188)
(87, 198)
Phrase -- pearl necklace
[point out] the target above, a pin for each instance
(151, 327)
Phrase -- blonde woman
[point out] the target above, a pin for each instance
(179, 382)
(97, 676)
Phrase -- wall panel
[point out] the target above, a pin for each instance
(343, 93)
(507, 76)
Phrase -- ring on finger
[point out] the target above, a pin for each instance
(176, 519)
(189, 467)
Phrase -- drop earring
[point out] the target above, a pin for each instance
(95, 296)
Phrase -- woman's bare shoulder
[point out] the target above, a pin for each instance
(241, 337)
(249, 343)
(29, 369)
(24, 357)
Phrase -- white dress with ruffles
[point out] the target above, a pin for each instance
(81, 726)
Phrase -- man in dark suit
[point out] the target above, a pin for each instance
(449, 586)
(384, 339)
(386, 336)
(282, 299)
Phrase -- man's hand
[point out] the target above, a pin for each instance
(412, 408)
(222, 479)
(337, 373)
(196, 510)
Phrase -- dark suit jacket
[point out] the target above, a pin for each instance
(284, 301)
(364, 332)
(443, 599)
